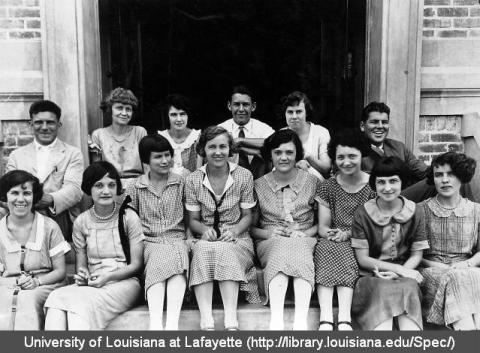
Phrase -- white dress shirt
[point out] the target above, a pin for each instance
(43, 156)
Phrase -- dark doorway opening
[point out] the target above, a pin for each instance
(202, 48)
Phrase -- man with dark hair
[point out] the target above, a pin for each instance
(248, 133)
(57, 165)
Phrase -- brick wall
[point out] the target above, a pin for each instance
(451, 19)
(19, 19)
(15, 133)
(438, 134)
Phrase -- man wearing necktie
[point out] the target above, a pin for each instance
(57, 165)
(248, 133)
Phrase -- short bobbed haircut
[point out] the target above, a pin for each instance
(463, 167)
(295, 98)
(348, 138)
(280, 137)
(388, 167)
(119, 95)
(20, 177)
(177, 101)
(96, 171)
(153, 143)
(241, 89)
(210, 133)
(378, 107)
(45, 106)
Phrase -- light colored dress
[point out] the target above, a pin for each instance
(121, 152)
(452, 294)
(335, 263)
(390, 239)
(161, 212)
(218, 260)
(100, 241)
(45, 244)
(294, 206)
(184, 154)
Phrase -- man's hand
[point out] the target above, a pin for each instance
(45, 202)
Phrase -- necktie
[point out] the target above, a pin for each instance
(242, 156)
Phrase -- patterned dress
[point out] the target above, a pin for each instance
(184, 154)
(390, 239)
(218, 260)
(452, 294)
(45, 244)
(100, 241)
(161, 213)
(294, 207)
(335, 263)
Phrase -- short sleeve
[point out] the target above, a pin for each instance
(133, 226)
(419, 240)
(96, 137)
(141, 132)
(323, 145)
(247, 198)
(322, 195)
(191, 202)
(78, 237)
(57, 245)
(359, 237)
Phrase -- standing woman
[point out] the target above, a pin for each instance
(32, 254)
(118, 143)
(180, 136)
(108, 257)
(219, 199)
(283, 221)
(388, 235)
(451, 267)
(158, 198)
(339, 197)
(315, 138)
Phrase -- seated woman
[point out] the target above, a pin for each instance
(297, 109)
(284, 227)
(339, 197)
(452, 277)
(109, 254)
(158, 198)
(32, 254)
(388, 235)
(118, 143)
(180, 136)
(219, 199)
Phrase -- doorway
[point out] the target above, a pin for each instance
(202, 48)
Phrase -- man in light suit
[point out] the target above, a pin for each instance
(57, 165)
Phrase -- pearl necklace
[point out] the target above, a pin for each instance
(104, 218)
(445, 207)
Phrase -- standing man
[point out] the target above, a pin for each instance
(248, 133)
(57, 165)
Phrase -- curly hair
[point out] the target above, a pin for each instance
(348, 138)
(387, 167)
(463, 167)
(378, 107)
(294, 99)
(119, 95)
(20, 177)
(210, 133)
(45, 106)
(278, 138)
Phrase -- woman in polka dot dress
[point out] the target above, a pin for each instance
(339, 197)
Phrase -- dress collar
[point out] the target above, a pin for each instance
(403, 216)
(34, 241)
(247, 127)
(47, 147)
(463, 209)
(143, 181)
(206, 182)
(296, 185)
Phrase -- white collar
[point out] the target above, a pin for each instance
(206, 181)
(11, 244)
(47, 147)
(247, 127)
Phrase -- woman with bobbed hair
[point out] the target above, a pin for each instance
(388, 235)
(284, 227)
(297, 110)
(181, 137)
(451, 266)
(32, 254)
(108, 243)
(219, 201)
(118, 143)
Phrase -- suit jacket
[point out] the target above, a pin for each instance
(65, 172)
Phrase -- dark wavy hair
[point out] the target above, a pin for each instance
(348, 138)
(210, 133)
(45, 106)
(242, 89)
(20, 177)
(177, 101)
(119, 95)
(463, 167)
(387, 167)
(294, 99)
(379, 107)
(153, 143)
(278, 138)
(96, 171)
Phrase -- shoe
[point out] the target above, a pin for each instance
(348, 323)
(325, 323)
